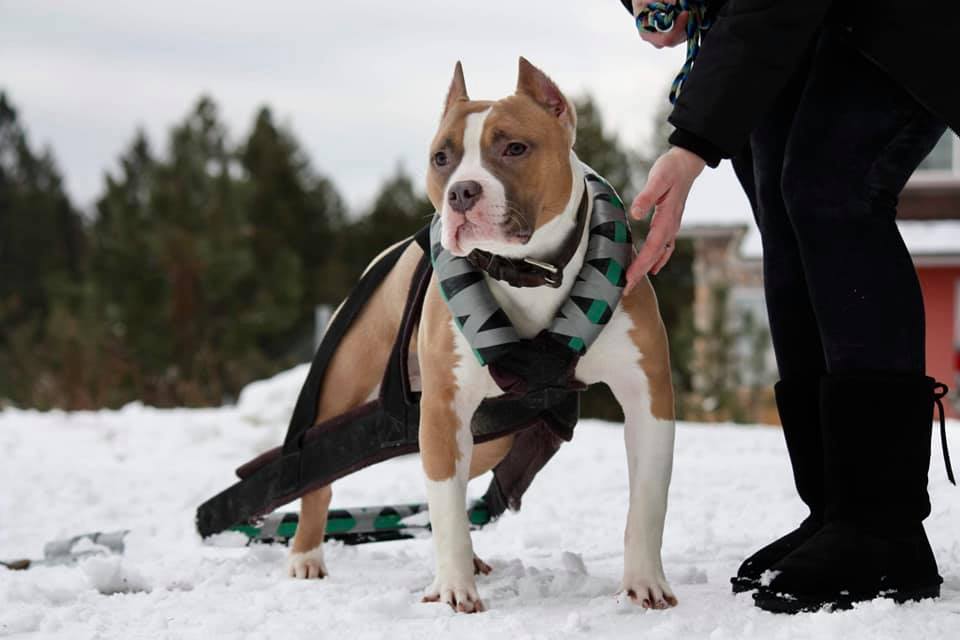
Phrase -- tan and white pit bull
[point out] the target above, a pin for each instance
(504, 178)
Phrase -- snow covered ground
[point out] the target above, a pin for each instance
(556, 564)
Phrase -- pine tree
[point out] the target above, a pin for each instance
(41, 234)
(41, 255)
(399, 210)
(293, 215)
(210, 259)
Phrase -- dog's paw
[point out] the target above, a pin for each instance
(650, 592)
(307, 565)
(460, 594)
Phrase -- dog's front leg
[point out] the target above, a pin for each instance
(446, 445)
(649, 445)
(631, 357)
(453, 385)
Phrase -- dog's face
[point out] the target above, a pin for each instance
(499, 171)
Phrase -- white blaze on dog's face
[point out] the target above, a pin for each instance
(501, 170)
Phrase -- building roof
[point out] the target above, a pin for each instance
(924, 238)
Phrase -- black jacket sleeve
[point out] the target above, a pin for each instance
(746, 58)
(751, 51)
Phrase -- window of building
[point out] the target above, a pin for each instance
(747, 321)
(944, 160)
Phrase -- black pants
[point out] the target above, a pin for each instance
(828, 163)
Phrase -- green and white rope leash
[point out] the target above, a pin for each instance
(660, 17)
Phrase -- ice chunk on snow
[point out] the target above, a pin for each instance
(573, 562)
(110, 575)
(270, 402)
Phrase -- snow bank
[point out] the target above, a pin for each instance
(270, 401)
(556, 564)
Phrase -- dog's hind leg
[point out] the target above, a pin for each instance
(353, 378)
(306, 550)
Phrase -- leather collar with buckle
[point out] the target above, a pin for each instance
(527, 272)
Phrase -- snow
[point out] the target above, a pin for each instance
(931, 237)
(922, 237)
(556, 564)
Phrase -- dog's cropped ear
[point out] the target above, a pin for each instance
(457, 90)
(534, 83)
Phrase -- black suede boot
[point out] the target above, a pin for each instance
(798, 402)
(876, 438)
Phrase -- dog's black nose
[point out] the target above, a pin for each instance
(464, 194)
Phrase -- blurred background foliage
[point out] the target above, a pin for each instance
(201, 264)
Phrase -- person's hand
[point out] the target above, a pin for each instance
(667, 187)
(670, 38)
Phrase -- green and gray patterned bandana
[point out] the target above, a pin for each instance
(581, 318)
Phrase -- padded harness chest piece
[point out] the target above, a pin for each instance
(593, 296)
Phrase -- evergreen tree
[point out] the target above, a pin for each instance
(174, 264)
(293, 216)
(41, 254)
(40, 232)
(399, 210)
(125, 265)
(603, 151)
(210, 260)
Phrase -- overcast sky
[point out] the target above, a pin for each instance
(360, 83)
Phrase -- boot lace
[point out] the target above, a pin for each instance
(939, 391)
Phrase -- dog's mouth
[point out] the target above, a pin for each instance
(464, 235)
(470, 235)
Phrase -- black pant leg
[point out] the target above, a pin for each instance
(793, 327)
(855, 140)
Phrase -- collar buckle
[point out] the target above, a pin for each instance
(552, 276)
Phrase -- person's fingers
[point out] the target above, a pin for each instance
(678, 34)
(659, 244)
(653, 192)
(651, 251)
(635, 274)
(658, 40)
(661, 39)
(665, 258)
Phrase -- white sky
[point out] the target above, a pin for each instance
(361, 83)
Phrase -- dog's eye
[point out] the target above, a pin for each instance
(515, 149)
(440, 158)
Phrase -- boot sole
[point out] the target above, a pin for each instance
(743, 585)
(783, 603)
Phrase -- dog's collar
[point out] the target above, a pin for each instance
(594, 295)
(526, 272)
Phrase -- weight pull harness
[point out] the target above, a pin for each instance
(540, 404)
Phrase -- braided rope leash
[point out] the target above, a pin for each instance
(660, 17)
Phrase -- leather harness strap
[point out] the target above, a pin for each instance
(315, 454)
(526, 272)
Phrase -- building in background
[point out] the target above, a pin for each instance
(735, 364)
